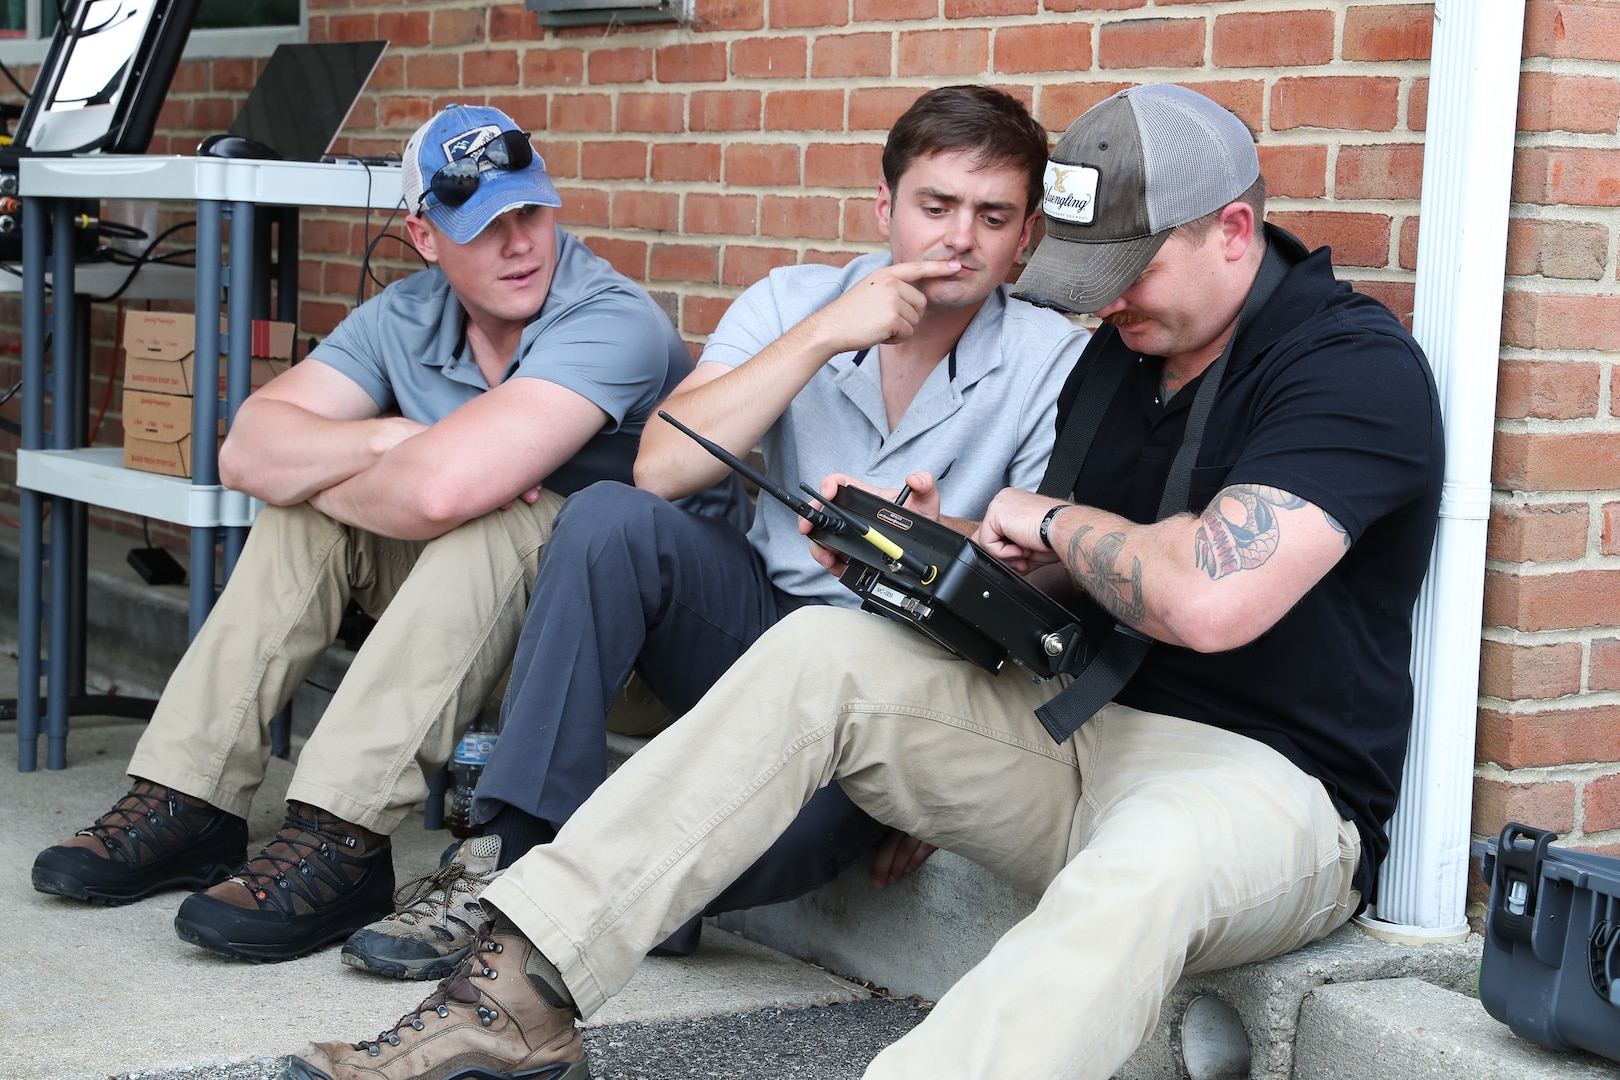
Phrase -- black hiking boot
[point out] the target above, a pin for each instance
(319, 880)
(153, 838)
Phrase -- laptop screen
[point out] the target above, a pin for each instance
(305, 94)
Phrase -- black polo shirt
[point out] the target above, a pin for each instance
(1328, 397)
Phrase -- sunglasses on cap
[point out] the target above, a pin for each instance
(455, 183)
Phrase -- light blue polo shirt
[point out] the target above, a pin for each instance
(995, 416)
(598, 334)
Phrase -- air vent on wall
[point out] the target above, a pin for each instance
(607, 12)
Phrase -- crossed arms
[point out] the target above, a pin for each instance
(314, 434)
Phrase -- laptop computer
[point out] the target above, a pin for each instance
(304, 96)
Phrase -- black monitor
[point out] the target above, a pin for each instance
(104, 77)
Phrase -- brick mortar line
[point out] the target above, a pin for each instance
(1578, 66)
(1530, 638)
(1506, 499)
(1562, 566)
(1560, 139)
(1520, 425)
(1529, 570)
(1551, 707)
(1585, 773)
(1605, 358)
(1564, 212)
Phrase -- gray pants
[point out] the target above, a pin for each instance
(629, 580)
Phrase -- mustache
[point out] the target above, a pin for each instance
(1124, 318)
(968, 262)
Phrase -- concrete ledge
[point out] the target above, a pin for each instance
(134, 632)
(1408, 1028)
(917, 937)
(1266, 999)
(920, 937)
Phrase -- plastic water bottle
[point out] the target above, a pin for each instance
(466, 766)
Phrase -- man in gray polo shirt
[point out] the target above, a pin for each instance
(890, 370)
(413, 463)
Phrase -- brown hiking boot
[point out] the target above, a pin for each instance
(498, 1017)
(153, 838)
(319, 880)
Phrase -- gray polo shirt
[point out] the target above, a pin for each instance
(994, 415)
(598, 334)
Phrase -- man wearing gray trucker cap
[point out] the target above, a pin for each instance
(1239, 510)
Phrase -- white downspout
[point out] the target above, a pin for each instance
(1462, 250)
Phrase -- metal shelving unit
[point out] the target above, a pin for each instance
(54, 468)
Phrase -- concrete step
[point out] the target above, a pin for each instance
(1411, 1028)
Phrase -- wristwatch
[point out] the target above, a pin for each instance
(1046, 524)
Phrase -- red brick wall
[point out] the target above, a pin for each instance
(1549, 730)
(697, 157)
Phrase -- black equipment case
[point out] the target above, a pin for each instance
(1551, 966)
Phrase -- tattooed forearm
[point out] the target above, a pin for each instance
(1119, 593)
(1239, 530)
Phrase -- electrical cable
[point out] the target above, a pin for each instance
(402, 241)
(12, 79)
(124, 258)
(141, 260)
(365, 230)
(135, 263)
(365, 236)
(118, 228)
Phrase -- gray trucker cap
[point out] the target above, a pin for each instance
(1132, 168)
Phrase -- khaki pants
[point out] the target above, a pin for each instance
(1159, 845)
(448, 615)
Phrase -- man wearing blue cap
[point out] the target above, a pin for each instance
(414, 464)
(1209, 781)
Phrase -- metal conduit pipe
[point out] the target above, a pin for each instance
(1462, 250)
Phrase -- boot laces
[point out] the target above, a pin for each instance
(304, 836)
(119, 828)
(424, 897)
(458, 989)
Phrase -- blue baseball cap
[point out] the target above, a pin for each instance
(461, 131)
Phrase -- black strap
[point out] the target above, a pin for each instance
(1096, 684)
(1091, 401)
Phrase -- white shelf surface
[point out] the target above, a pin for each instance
(154, 281)
(97, 475)
(266, 183)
